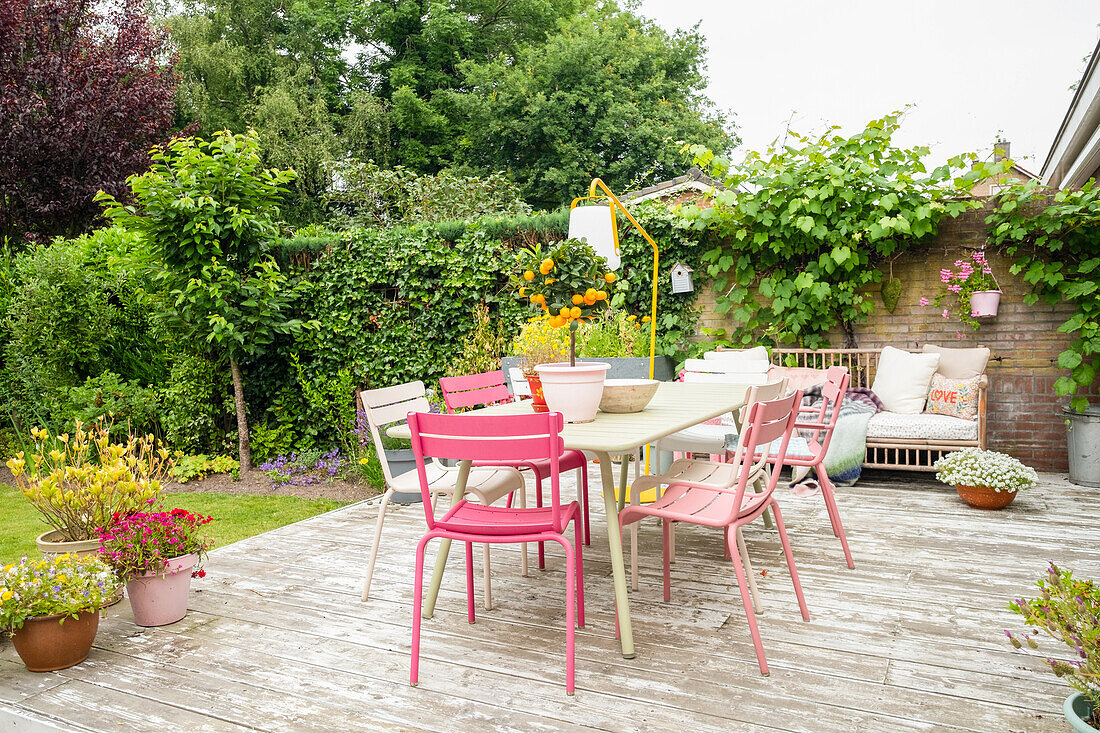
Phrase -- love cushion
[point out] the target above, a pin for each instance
(953, 397)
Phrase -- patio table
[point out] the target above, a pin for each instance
(677, 405)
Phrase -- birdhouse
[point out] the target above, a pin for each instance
(681, 278)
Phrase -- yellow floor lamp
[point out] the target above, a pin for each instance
(596, 225)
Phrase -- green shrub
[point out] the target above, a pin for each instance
(127, 406)
(615, 334)
(192, 403)
(197, 467)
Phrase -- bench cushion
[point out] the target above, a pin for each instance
(921, 427)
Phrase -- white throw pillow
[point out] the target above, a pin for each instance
(902, 380)
(756, 353)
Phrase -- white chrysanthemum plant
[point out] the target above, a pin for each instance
(976, 467)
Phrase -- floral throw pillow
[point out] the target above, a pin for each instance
(953, 397)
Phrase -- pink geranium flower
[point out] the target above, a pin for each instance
(954, 288)
(924, 301)
(946, 314)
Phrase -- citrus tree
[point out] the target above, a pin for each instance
(209, 210)
(567, 280)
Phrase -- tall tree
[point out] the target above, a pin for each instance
(278, 67)
(209, 209)
(415, 49)
(609, 95)
(85, 90)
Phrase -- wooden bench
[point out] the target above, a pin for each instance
(916, 454)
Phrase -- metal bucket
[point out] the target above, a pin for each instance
(1084, 445)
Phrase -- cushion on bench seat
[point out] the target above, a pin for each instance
(921, 427)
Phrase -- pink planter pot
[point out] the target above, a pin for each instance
(574, 391)
(984, 303)
(158, 599)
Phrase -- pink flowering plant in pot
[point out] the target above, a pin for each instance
(157, 554)
(972, 287)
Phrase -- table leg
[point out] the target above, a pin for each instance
(623, 468)
(445, 544)
(615, 540)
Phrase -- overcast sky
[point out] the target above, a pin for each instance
(973, 68)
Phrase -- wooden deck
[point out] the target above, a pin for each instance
(276, 638)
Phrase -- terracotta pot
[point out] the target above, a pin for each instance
(538, 399)
(159, 599)
(50, 544)
(574, 391)
(983, 497)
(984, 303)
(45, 644)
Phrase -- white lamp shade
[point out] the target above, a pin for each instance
(593, 224)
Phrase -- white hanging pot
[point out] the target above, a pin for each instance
(574, 391)
(984, 303)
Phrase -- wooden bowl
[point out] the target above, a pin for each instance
(627, 395)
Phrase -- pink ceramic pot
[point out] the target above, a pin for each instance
(574, 391)
(984, 303)
(158, 599)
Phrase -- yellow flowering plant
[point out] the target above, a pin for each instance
(539, 342)
(65, 585)
(79, 482)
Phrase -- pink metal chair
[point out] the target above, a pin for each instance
(819, 423)
(768, 426)
(488, 388)
(498, 439)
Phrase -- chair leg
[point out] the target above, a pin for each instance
(746, 601)
(570, 615)
(634, 556)
(377, 540)
(830, 503)
(756, 604)
(488, 589)
(726, 543)
(583, 475)
(418, 592)
(538, 503)
(666, 533)
(790, 562)
(470, 581)
(523, 545)
(579, 560)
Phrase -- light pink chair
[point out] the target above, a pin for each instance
(768, 426)
(488, 388)
(498, 439)
(819, 423)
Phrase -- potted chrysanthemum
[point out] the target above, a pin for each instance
(51, 608)
(157, 554)
(984, 479)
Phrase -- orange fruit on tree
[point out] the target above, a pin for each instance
(610, 277)
(546, 266)
(538, 298)
(589, 300)
(549, 281)
(590, 293)
(522, 291)
(578, 299)
(601, 295)
(528, 276)
(575, 312)
(564, 311)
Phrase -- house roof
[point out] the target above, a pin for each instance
(1075, 153)
(693, 180)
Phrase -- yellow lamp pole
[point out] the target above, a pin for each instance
(614, 202)
(597, 184)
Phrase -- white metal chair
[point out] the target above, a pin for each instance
(702, 473)
(389, 405)
(711, 439)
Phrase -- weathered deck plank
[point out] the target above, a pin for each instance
(911, 640)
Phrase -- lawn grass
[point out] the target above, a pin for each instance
(236, 516)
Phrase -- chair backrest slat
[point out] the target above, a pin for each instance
(474, 390)
(489, 438)
(767, 422)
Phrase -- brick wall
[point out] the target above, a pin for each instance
(1024, 412)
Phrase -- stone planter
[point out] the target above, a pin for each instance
(45, 644)
(622, 367)
(401, 461)
(50, 544)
